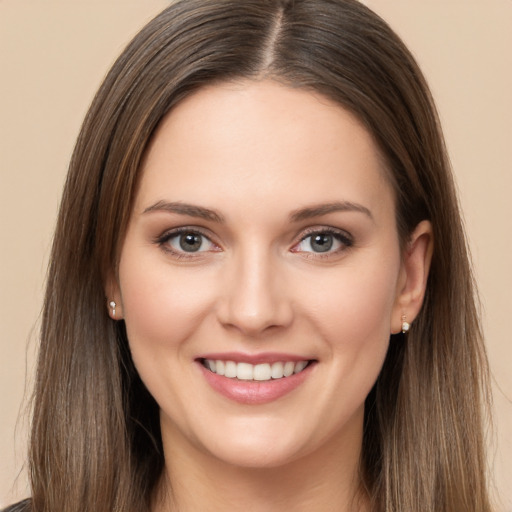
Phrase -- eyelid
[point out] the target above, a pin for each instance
(162, 239)
(344, 237)
(313, 230)
(341, 235)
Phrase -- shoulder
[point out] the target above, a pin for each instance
(22, 506)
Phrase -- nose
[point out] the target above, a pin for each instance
(255, 297)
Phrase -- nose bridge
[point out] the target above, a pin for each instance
(255, 296)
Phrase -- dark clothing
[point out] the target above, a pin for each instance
(22, 506)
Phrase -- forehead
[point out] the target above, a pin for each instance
(258, 140)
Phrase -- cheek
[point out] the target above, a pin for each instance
(353, 307)
(355, 321)
(161, 307)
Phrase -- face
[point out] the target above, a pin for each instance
(260, 275)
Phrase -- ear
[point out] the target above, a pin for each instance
(413, 276)
(113, 297)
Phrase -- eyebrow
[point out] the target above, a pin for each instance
(185, 209)
(296, 216)
(323, 209)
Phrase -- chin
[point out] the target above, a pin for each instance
(258, 442)
(248, 455)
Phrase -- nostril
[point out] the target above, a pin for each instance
(254, 316)
(253, 297)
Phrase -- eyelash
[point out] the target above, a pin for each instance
(340, 236)
(163, 240)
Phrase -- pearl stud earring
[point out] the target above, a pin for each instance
(112, 304)
(405, 325)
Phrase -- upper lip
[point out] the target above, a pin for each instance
(263, 357)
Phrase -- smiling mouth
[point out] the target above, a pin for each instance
(255, 372)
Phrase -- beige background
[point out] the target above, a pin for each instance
(53, 55)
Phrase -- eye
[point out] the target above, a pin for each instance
(323, 242)
(186, 241)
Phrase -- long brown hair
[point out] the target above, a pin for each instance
(96, 443)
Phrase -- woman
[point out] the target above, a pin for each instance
(259, 294)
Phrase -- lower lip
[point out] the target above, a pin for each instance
(255, 392)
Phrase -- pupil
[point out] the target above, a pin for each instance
(321, 243)
(190, 242)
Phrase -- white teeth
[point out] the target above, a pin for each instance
(244, 371)
(258, 372)
(220, 367)
(262, 372)
(288, 368)
(230, 369)
(277, 371)
(299, 366)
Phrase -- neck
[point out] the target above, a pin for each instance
(323, 481)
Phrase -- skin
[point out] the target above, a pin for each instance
(255, 153)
